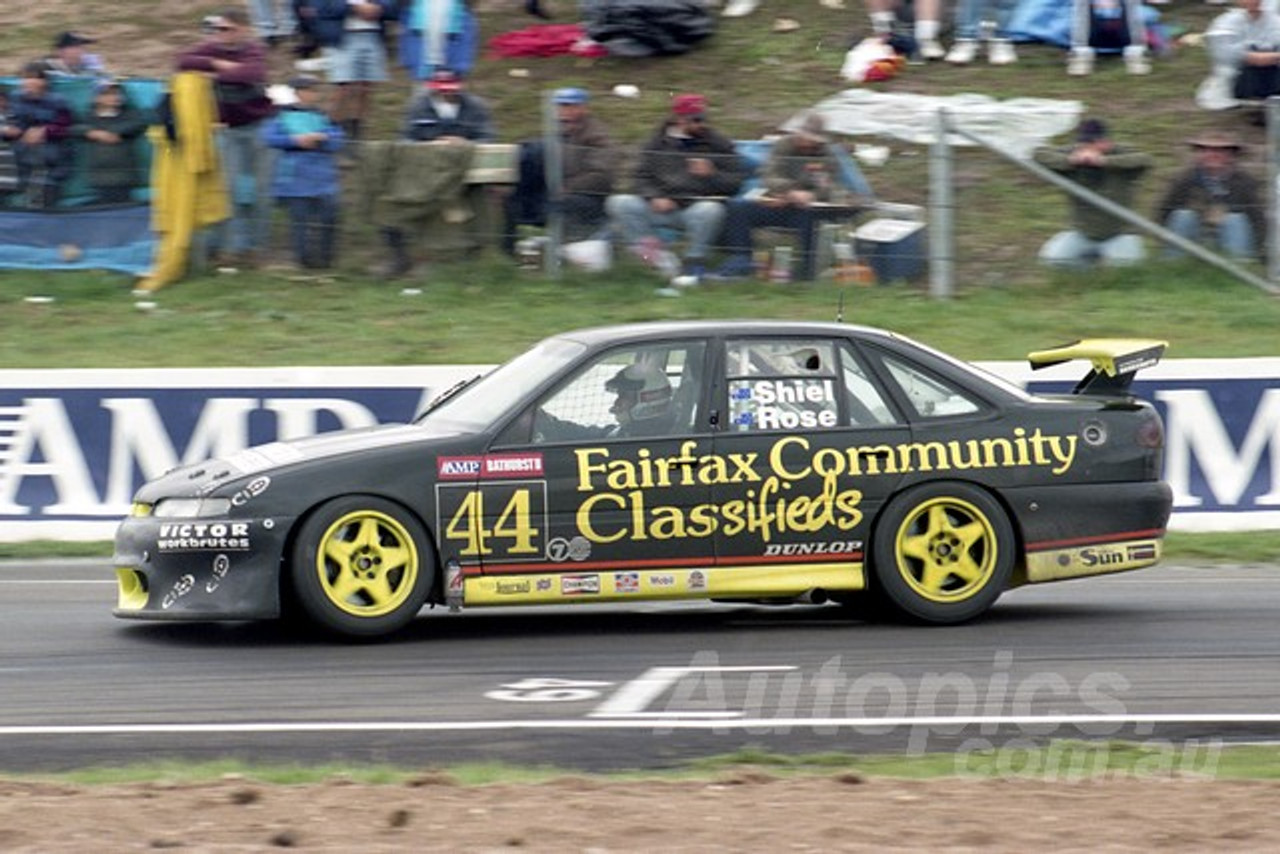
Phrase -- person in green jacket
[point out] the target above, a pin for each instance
(1097, 163)
(112, 129)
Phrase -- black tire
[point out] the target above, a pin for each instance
(362, 567)
(942, 553)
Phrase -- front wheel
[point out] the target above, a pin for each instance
(943, 552)
(361, 567)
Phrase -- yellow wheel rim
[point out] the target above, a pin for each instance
(367, 564)
(946, 550)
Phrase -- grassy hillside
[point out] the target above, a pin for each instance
(755, 78)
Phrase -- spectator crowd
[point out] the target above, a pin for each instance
(688, 208)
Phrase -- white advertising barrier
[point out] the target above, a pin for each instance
(76, 444)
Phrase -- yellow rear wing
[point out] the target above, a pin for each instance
(1113, 361)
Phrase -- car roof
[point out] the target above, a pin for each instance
(597, 335)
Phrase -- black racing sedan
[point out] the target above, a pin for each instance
(744, 461)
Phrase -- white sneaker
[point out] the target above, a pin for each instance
(1135, 60)
(740, 8)
(931, 49)
(1080, 62)
(963, 52)
(1001, 52)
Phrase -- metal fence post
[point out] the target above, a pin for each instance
(553, 157)
(941, 211)
(1273, 175)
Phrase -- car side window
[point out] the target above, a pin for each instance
(928, 395)
(634, 392)
(782, 384)
(865, 406)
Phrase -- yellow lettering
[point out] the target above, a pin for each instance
(584, 518)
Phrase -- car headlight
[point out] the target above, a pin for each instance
(191, 508)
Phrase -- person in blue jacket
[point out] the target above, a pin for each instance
(305, 179)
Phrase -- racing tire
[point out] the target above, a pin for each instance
(942, 553)
(361, 567)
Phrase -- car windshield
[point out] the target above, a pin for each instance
(477, 405)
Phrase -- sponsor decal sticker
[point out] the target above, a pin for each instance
(251, 490)
(510, 588)
(544, 584)
(221, 564)
(697, 580)
(666, 579)
(560, 549)
(458, 468)
(1142, 551)
(626, 582)
(194, 537)
(832, 548)
(579, 585)
(512, 465)
(491, 467)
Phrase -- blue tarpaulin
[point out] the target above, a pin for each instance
(73, 237)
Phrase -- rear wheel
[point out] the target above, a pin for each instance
(943, 552)
(362, 567)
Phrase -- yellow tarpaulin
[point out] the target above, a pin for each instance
(187, 189)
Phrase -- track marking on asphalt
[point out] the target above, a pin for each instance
(1117, 721)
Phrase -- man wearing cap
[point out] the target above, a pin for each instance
(1215, 199)
(40, 132)
(445, 111)
(305, 176)
(69, 58)
(237, 61)
(686, 171)
(587, 161)
(1095, 162)
(801, 186)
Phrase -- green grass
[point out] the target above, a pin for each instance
(1059, 759)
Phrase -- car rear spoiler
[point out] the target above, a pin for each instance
(1114, 361)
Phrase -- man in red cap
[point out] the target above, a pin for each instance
(686, 172)
(446, 110)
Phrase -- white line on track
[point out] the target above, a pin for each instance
(647, 722)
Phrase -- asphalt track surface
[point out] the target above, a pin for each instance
(1188, 655)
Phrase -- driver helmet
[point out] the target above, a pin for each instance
(650, 390)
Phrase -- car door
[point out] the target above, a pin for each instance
(607, 502)
(808, 444)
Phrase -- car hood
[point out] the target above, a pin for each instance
(202, 478)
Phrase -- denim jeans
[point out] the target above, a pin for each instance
(635, 220)
(744, 215)
(1082, 23)
(970, 14)
(246, 164)
(313, 229)
(1233, 236)
(1073, 249)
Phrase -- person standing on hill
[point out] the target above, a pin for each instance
(237, 61)
(1096, 162)
(69, 58)
(353, 39)
(305, 177)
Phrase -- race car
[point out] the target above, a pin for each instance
(743, 461)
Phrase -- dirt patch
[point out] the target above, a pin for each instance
(742, 811)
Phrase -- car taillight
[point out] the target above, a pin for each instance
(1151, 432)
